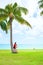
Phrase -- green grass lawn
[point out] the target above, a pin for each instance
(23, 57)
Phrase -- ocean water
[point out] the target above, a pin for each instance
(21, 46)
(4, 46)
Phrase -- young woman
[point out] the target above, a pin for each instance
(14, 47)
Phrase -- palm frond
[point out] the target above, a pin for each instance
(3, 26)
(41, 13)
(9, 8)
(3, 17)
(22, 21)
(2, 11)
(15, 5)
(17, 11)
(41, 1)
(24, 10)
(41, 5)
(8, 24)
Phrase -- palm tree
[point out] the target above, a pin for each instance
(41, 6)
(8, 14)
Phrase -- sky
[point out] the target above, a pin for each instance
(21, 33)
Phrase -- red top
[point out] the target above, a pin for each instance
(14, 46)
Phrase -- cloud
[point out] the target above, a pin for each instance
(35, 14)
(17, 32)
(0, 36)
(37, 25)
(16, 28)
(41, 35)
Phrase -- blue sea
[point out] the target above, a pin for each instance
(21, 46)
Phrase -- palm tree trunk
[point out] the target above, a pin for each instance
(11, 43)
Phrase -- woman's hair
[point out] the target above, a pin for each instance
(15, 42)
